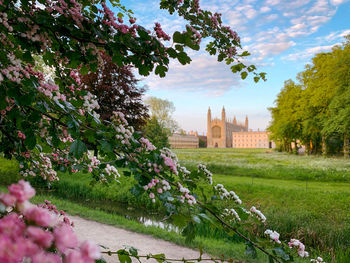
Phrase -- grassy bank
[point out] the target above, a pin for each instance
(265, 163)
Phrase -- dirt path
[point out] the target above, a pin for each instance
(116, 238)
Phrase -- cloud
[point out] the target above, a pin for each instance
(204, 75)
(271, 49)
(338, 2)
(265, 9)
(309, 52)
(337, 35)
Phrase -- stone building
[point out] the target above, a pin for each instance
(251, 139)
(178, 141)
(219, 131)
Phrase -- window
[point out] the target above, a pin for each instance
(216, 132)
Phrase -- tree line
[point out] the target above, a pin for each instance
(314, 110)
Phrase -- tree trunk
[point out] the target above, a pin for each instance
(307, 148)
(346, 146)
(324, 146)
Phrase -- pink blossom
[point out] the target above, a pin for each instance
(21, 135)
(8, 199)
(151, 195)
(10, 252)
(160, 190)
(45, 257)
(65, 238)
(11, 226)
(29, 247)
(90, 249)
(41, 237)
(22, 191)
(74, 256)
(40, 216)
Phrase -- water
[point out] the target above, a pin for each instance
(137, 214)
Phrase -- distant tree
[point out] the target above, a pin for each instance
(202, 143)
(116, 89)
(157, 133)
(162, 110)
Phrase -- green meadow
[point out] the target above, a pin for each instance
(304, 197)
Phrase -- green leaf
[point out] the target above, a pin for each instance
(245, 53)
(127, 173)
(179, 48)
(250, 250)
(101, 260)
(84, 70)
(172, 52)
(244, 74)
(189, 232)
(178, 37)
(160, 70)
(106, 146)
(183, 58)
(77, 148)
(30, 140)
(159, 257)
(133, 251)
(281, 253)
(256, 79)
(196, 219)
(271, 260)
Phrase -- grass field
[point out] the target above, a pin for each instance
(302, 196)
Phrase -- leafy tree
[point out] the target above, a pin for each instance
(314, 110)
(116, 89)
(156, 133)
(162, 111)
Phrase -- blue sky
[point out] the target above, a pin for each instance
(282, 36)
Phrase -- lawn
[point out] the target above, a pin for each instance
(306, 197)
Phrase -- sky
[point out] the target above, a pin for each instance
(282, 37)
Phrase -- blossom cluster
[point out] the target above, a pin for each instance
(300, 246)
(184, 171)
(258, 214)
(159, 186)
(29, 233)
(73, 10)
(110, 20)
(112, 171)
(160, 33)
(196, 36)
(273, 235)
(207, 173)
(318, 260)
(119, 117)
(47, 205)
(10, 102)
(186, 195)
(124, 134)
(170, 160)
(231, 214)
(94, 163)
(90, 104)
(224, 194)
(154, 167)
(42, 166)
(14, 72)
(148, 145)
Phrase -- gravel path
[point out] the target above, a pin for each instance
(116, 238)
